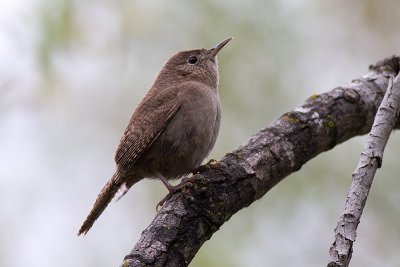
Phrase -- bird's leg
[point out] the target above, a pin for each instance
(171, 189)
(211, 165)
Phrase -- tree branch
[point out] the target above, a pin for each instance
(191, 216)
(370, 160)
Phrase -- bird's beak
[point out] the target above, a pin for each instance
(214, 51)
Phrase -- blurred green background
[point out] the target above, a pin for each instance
(72, 72)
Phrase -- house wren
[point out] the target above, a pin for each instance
(172, 130)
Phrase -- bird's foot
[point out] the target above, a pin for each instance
(189, 181)
(172, 189)
(162, 201)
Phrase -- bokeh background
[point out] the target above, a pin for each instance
(72, 72)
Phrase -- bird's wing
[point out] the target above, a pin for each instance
(146, 124)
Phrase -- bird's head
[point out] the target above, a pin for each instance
(194, 65)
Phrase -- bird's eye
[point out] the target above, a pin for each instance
(192, 60)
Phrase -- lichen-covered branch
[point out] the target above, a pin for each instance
(370, 160)
(220, 189)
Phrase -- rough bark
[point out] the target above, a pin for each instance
(220, 189)
(370, 160)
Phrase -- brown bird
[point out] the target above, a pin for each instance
(172, 130)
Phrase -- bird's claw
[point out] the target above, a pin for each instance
(186, 182)
(162, 201)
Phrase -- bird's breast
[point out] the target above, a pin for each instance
(189, 137)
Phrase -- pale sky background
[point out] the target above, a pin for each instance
(72, 72)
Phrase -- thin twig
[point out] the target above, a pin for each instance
(370, 160)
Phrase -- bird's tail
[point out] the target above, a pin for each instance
(105, 196)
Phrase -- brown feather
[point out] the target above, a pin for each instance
(105, 196)
(138, 136)
(135, 141)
